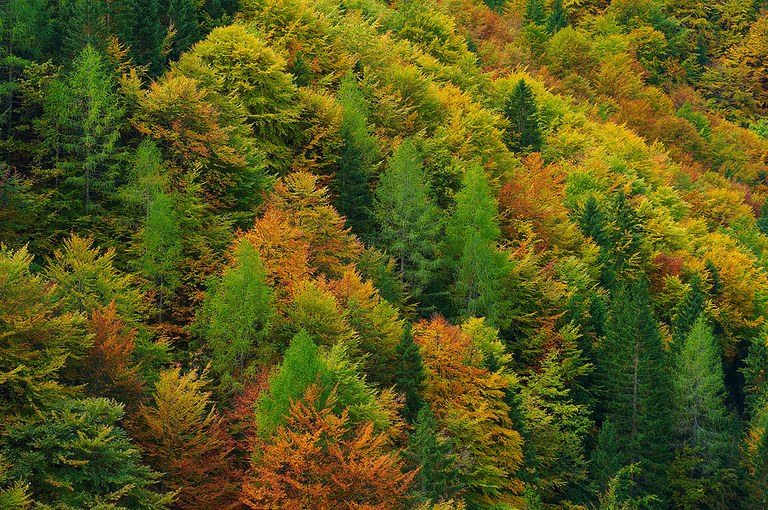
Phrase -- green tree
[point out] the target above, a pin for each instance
(409, 375)
(522, 113)
(607, 458)
(238, 316)
(535, 12)
(762, 221)
(755, 457)
(557, 18)
(690, 309)
(472, 236)
(431, 452)
(182, 22)
(637, 386)
(137, 24)
(351, 183)
(592, 221)
(76, 456)
(703, 472)
(409, 224)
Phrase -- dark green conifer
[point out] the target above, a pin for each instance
(409, 375)
(557, 18)
(523, 115)
(535, 13)
(688, 311)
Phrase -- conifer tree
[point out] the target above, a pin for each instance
(238, 316)
(703, 472)
(181, 16)
(755, 372)
(76, 456)
(557, 19)
(755, 455)
(183, 437)
(637, 386)
(438, 478)
(688, 311)
(351, 184)
(409, 224)
(535, 12)
(409, 375)
(607, 458)
(592, 221)
(522, 113)
(472, 235)
(762, 221)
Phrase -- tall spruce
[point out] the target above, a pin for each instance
(523, 115)
(409, 375)
(688, 311)
(535, 12)
(557, 18)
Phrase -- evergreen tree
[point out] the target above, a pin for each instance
(755, 372)
(535, 12)
(238, 316)
(756, 457)
(688, 311)
(438, 479)
(137, 24)
(607, 458)
(409, 224)
(557, 19)
(592, 221)
(703, 472)
(523, 115)
(409, 375)
(472, 235)
(76, 456)
(351, 184)
(182, 22)
(762, 221)
(637, 386)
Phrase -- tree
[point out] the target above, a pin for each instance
(409, 224)
(522, 113)
(356, 167)
(703, 472)
(238, 316)
(688, 311)
(183, 437)
(409, 375)
(430, 455)
(182, 23)
(318, 460)
(137, 24)
(637, 386)
(755, 455)
(82, 130)
(38, 337)
(535, 12)
(762, 220)
(557, 18)
(77, 456)
(472, 235)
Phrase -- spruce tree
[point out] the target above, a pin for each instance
(409, 224)
(351, 184)
(688, 311)
(181, 17)
(557, 19)
(762, 221)
(592, 221)
(535, 12)
(409, 375)
(438, 479)
(471, 245)
(523, 115)
(637, 385)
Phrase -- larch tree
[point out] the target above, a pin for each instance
(471, 247)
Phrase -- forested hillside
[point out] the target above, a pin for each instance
(349, 254)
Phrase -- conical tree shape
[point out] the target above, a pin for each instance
(557, 19)
(409, 375)
(523, 115)
(534, 12)
(688, 311)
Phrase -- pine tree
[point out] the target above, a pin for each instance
(522, 113)
(409, 224)
(409, 375)
(183, 437)
(351, 184)
(438, 478)
(703, 472)
(76, 456)
(472, 235)
(238, 316)
(557, 19)
(637, 385)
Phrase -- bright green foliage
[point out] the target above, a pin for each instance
(409, 375)
(238, 317)
(37, 338)
(755, 457)
(619, 492)
(357, 164)
(409, 222)
(688, 311)
(13, 495)
(756, 373)
(78, 456)
(557, 19)
(621, 252)
(432, 453)
(87, 279)
(703, 473)
(523, 115)
(81, 130)
(638, 386)
(472, 236)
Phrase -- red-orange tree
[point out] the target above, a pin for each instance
(317, 460)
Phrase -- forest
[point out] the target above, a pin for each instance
(384, 255)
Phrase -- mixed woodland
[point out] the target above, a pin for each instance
(351, 254)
